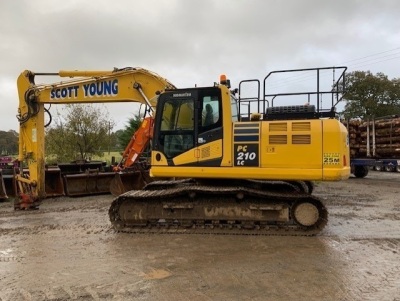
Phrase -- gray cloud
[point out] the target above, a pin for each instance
(189, 42)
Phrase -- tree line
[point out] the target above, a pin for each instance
(8, 143)
(78, 132)
(370, 96)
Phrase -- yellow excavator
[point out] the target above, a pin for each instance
(228, 171)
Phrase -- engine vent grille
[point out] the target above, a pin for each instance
(301, 139)
(277, 139)
(206, 152)
(278, 127)
(290, 109)
(301, 126)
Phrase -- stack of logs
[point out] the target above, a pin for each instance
(387, 138)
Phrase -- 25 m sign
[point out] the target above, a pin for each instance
(331, 158)
(246, 155)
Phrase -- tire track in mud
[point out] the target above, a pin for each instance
(372, 267)
(54, 228)
(53, 294)
(10, 259)
(81, 293)
(380, 281)
(63, 215)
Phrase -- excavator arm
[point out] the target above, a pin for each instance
(119, 85)
(137, 145)
(129, 176)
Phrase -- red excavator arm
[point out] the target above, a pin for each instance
(138, 143)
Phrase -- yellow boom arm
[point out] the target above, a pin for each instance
(119, 85)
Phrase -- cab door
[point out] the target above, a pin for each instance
(188, 127)
(209, 128)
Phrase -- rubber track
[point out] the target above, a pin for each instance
(161, 192)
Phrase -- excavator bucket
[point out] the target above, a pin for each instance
(7, 182)
(126, 181)
(53, 182)
(3, 192)
(8, 178)
(88, 183)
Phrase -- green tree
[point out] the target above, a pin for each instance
(125, 135)
(8, 142)
(369, 95)
(81, 132)
(114, 142)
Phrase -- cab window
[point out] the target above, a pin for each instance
(177, 126)
(234, 109)
(210, 112)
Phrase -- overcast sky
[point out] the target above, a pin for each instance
(192, 41)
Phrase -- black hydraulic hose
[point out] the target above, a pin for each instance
(50, 117)
(33, 107)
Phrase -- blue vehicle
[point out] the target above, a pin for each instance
(361, 166)
(387, 165)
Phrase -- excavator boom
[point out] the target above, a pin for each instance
(118, 85)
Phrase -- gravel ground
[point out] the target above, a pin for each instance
(67, 250)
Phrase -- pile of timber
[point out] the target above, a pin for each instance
(385, 132)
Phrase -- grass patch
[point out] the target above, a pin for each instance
(107, 157)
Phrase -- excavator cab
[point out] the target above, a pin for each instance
(187, 119)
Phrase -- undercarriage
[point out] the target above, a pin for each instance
(220, 207)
